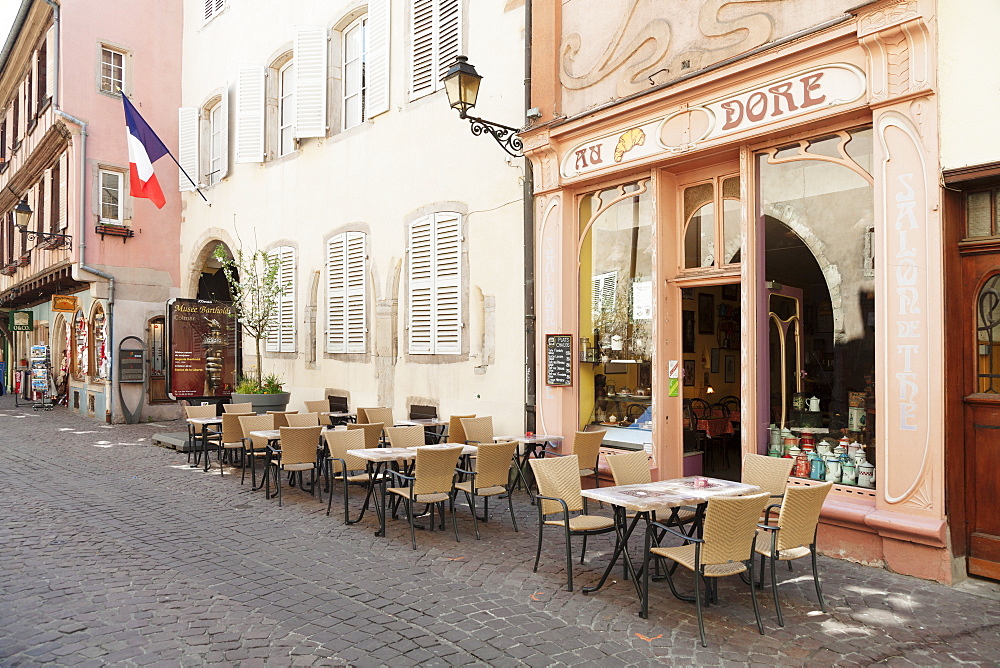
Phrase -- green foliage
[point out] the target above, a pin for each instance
(269, 384)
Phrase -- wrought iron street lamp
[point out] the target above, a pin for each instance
(461, 83)
(51, 241)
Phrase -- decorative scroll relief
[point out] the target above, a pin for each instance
(774, 102)
(887, 16)
(908, 407)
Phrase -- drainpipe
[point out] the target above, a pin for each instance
(81, 265)
(529, 246)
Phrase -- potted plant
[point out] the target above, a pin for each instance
(256, 289)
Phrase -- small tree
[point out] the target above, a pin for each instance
(255, 294)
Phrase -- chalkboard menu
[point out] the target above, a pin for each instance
(559, 359)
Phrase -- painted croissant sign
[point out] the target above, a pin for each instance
(792, 96)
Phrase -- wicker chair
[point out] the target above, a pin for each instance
(794, 536)
(478, 429)
(490, 478)
(303, 419)
(254, 447)
(431, 483)
(725, 548)
(232, 433)
(318, 406)
(280, 419)
(768, 473)
(559, 491)
(456, 434)
(405, 437)
(633, 469)
(298, 454)
(339, 463)
(373, 433)
(195, 430)
(373, 415)
(238, 408)
(587, 446)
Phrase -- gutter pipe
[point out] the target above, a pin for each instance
(529, 247)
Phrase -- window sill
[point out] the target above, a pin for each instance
(114, 230)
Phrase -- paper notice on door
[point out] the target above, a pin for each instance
(673, 369)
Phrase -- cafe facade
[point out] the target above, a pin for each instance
(738, 222)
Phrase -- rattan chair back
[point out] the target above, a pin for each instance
(303, 419)
(250, 423)
(558, 477)
(730, 527)
(478, 429)
(630, 468)
(298, 445)
(587, 446)
(405, 437)
(493, 464)
(339, 442)
(456, 433)
(434, 472)
(799, 515)
(237, 408)
(373, 415)
(768, 473)
(373, 433)
(280, 419)
(198, 412)
(232, 432)
(318, 406)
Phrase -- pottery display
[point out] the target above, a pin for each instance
(866, 474)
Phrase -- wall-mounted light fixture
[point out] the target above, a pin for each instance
(51, 241)
(461, 82)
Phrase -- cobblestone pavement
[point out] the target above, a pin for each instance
(115, 552)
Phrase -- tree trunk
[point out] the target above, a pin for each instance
(260, 368)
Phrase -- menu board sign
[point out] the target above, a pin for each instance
(559, 359)
(131, 366)
(201, 348)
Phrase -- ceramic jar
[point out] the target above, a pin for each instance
(807, 439)
(848, 472)
(833, 471)
(866, 474)
(823, 448)
(790, 442)
(858, 456)
(817, 467)
(801, 469)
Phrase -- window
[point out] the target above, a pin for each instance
(435, 285)
(702, 230)
(55, 210)
(213, 8)
(281, 334)
(112, 71)
(347, 327)
(988, 336)
(355, 53)
(436, 39)
(41, 65)
(216, 142)
(111, 197)
(286, 109)
(203, 141)
(982, 213)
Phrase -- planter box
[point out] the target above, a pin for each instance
(263, 402)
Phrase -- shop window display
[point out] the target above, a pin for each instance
(80, 362)
(99, 334)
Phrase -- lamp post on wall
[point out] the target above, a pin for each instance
(51, 241)
(461, 83)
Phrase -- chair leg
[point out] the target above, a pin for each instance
(329, 477)
(409, 516)
(644, 597)
(753, 596)
(243, 456)
(347, 517)
(697, 600)
(774, 587)
(541, 525)
(472, 507)
(569, 557)
(510, 507)
(277, 478)
(583, 551)
(819, 591)
(454, 522)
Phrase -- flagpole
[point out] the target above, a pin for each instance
(184, 172)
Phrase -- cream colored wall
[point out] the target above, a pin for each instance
(416, 158)
(968, 82)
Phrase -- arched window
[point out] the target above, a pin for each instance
(988, 336)
(80, 359)
(99, 362)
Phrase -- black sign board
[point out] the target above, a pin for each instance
(131, 366)
(559, 359)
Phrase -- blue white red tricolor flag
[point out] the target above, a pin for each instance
(144, 148)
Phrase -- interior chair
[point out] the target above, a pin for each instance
(373, 433)
(195, 430)
(238, 408)
(490, 476)
(337, 404)
(456, 433)
(298, 454)
(431, 483)
(351, 470)
(768, 473)
(421, 412)
(280, 419)
(232, 435)
(794, 535)
(715, 447)
(725, 548)
(373, 415)
(405, 437)
(559, 489)
(254, 447)
(478, 429)
(303, 419)
(319, 406)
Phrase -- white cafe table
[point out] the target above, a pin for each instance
(646, 499)
(273, 438)
(205, 423)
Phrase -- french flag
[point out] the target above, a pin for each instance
(144, 148)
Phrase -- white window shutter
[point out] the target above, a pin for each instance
(310, 82)
(447, 284)
(250, 114)
(63, 188)
(420, 286)
(281, 333)
(377, 67)
(356, 321)
(422, 48)
(50, 56)
(187, 145)
(449, 37)
(224, 135)
(336, 295)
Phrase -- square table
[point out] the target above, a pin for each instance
(340, 417)
(648, 498)
(431, 426)
(205, 433)
(273, 438)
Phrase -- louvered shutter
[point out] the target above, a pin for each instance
(187, 145)
(63, 187)
(281, 333)
(422, 45)
(250, 114)
(50, 55)
(421, 286)
(356, 323)
(336, 295)
(310, 82)
(209, 9)
(224, 134)
(449, 37)
(447, 284)
(377, 66)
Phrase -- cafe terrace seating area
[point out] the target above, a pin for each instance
(660, 546)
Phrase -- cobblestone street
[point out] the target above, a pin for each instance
(116, 552)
